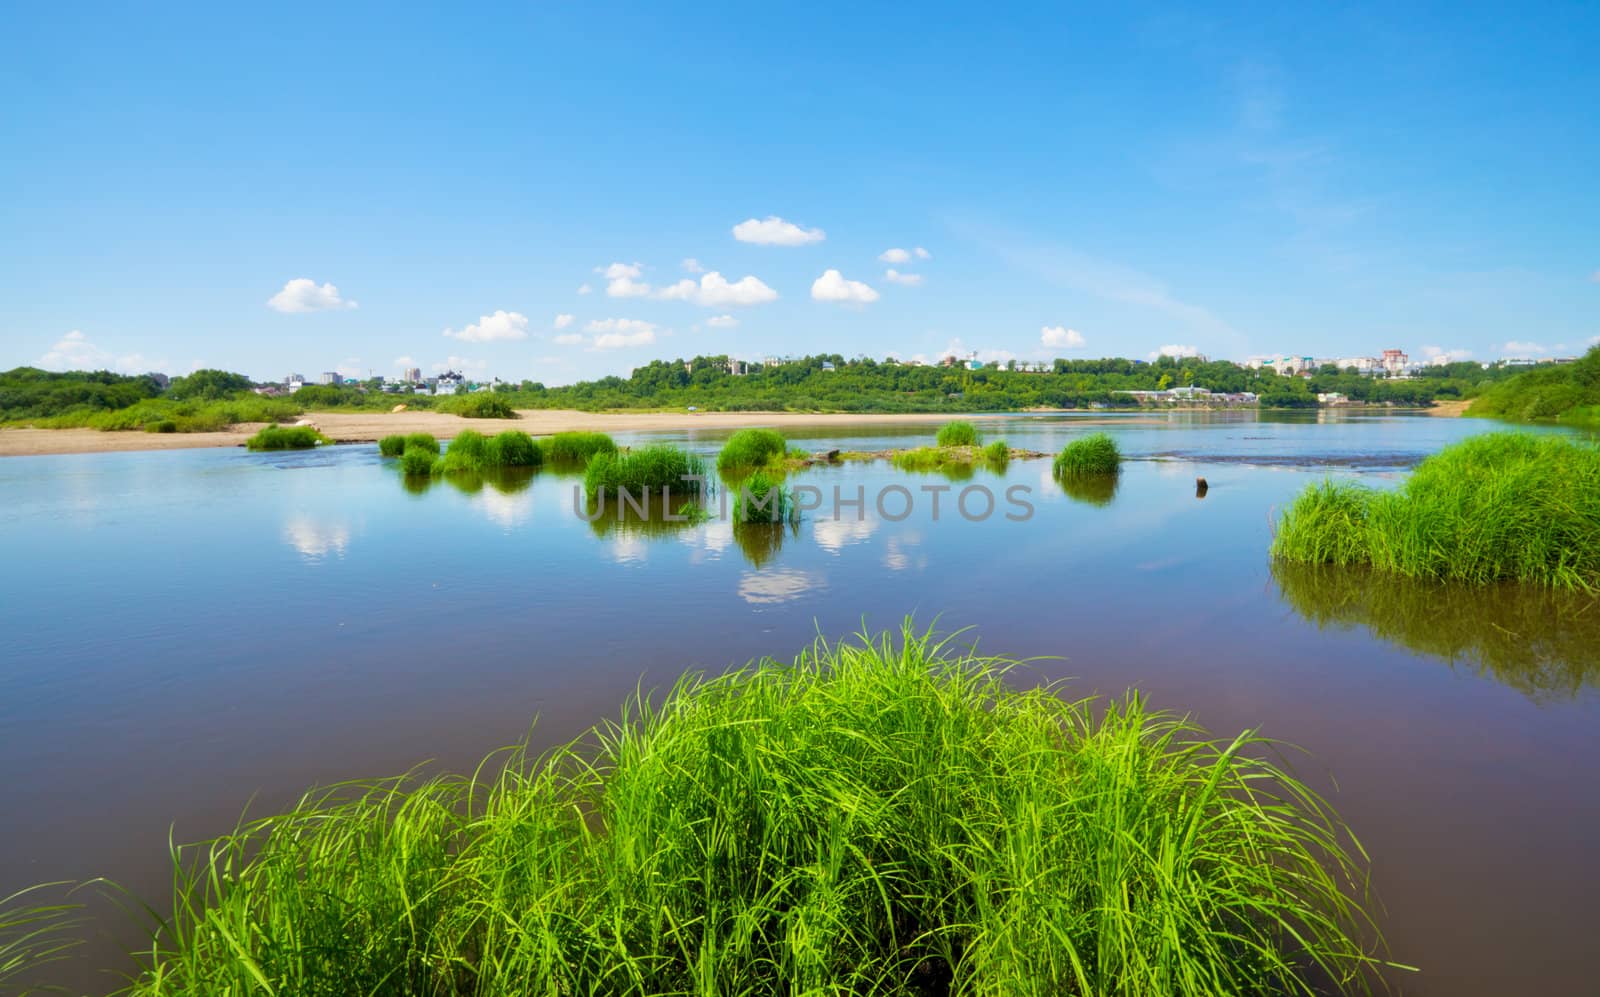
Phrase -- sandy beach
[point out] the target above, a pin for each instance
(366, 427)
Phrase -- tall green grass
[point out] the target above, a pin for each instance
(576, 447)
(477, 405)
(416, 462)
(1095, 454)
(1497, 507)
(997, 453)
(35, 930)
(957, 434)
(763, 498)
(470, 452)
(512, 448)
(751, 448)
(422, 441)
(650, 468)
(878, 817)
(392, 446)
(286, 438)
(185, 416)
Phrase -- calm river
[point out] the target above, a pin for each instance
(186, 632)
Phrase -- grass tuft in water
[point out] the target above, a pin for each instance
(762, 498)
(1497, 507)
(512, 448)
(650, 468)
(33, 934)
(576, 447)
(392, 446)
(884, 816)
(997, 453)
(1095, 454)
(750, 448)
(286, 438)
(416, 462)
(957, 434)
(424, 441)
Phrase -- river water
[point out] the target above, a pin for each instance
(190, 631)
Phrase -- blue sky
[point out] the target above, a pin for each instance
(1084, 181)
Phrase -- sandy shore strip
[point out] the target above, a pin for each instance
(366, 427)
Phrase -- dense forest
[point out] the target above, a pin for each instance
(208, 399)
(1568, 392)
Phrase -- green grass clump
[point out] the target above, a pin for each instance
(886, 816)
(957, 434)
(1096, 453)
(161, 426)
(478, 405)
(1497, 507)
(286, 438)
(392, 446)
(512, 448)
(1568, 392)
(997, 452)
(576, 447)
(423, 441)
(749, 448)
(919, 459)
(762, 498)
(649, 468)
(416, 462)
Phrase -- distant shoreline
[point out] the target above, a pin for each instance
(368, 426)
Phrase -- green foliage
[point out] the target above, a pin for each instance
(997, 452)
(1556, 392)
(392, 446)
(417, 462)
(1095, 454)
(879, 817)
(478, 405)
(1497, 507)
(920, 459)
(576, 447)
(28, 393)
(34, 932)
(208, 385)
(286, 438)
(649, 468)
(750, 448)
(161, 426)
(512, 448)
(422, 441)
(762, 498)
(957, 434)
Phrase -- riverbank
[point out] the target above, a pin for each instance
(367, 427)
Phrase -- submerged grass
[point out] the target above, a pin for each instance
(957, 434)
(576, 447)
(649, 468)
(751, 448)
(763, 498)
(1497, 507)
(1095, 454)
(286, 438)
(878, 817)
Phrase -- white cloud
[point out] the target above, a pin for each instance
(774, 231)
(1594, 278)
(1175, 351)
(1060, 336)
(502, 325)
(303, 295)
(895, 256)
(922, 254)
(404, 362)
(691, 265)
(1594, 340)
(715, 291)
(832, 286)
(349, 367)
(465, 365)
(585, 289)
(1437, 355)
(74, 351)
(562, 321)
(894, 276)
(1520, 346)
(722, 322)
(619, 271)
(617, 333)
(569, 339)
(626, 287)
(959, 349)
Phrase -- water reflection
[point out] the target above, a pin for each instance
(1541, 642)
(315, 540)
(1091, 489)
(777, 586)
(760, 542)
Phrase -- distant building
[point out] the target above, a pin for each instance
(294, 382)
(413, 375)
(827, 365)
(1394, 361)
(737, 367)
(330, 377)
